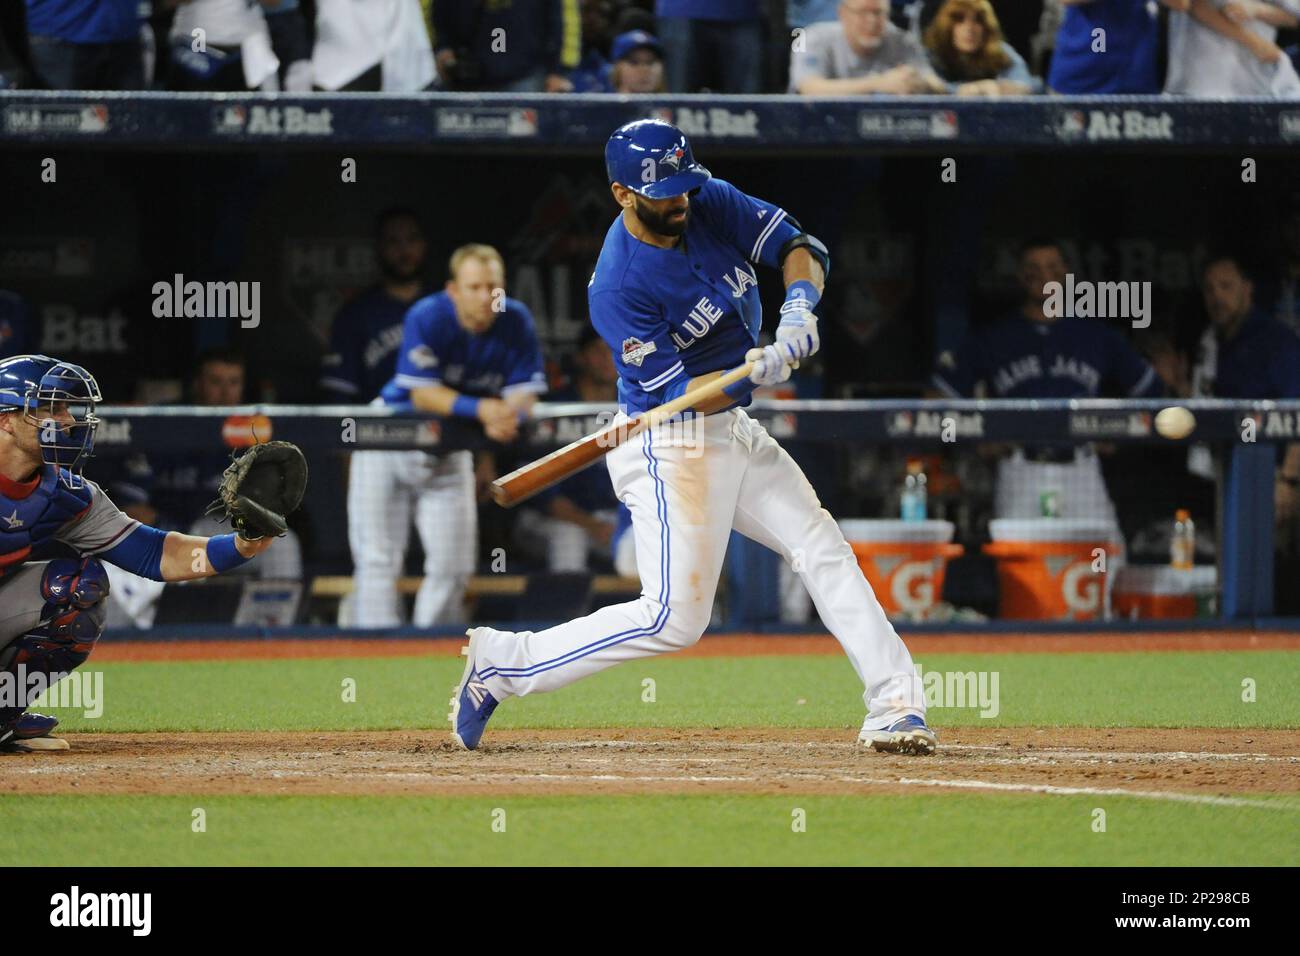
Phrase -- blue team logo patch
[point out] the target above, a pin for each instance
(635, 351)
(674, 159)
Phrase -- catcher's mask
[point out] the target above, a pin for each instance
(62, 407)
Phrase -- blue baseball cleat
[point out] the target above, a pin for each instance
(31, 733)
(473, 704)
(908, 735)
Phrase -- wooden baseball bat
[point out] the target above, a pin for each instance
(522, 483)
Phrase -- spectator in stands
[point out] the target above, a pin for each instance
(1033, 354)
(967, 52)
(861, 52)
(1020, 20)
(221, 46)
(591, 75)
(373, 46)
(506, 48)
(637, 67)
(15, 325)
(712, 44)
(1228, 48)
(86, 44)
(368, 330)
(638, 63)
(576, 519)
(1108, 46)
(290, 43)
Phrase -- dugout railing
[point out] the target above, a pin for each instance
(858, 455)
(773, 124)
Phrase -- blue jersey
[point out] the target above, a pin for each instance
(1067, 358)
(672, 314)
(363, 346)
(437, 349)
(709, 9)
(1128, 64)
(1261, 361)
(84, 21)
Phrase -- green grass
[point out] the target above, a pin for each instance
(965, 829)
(1098, 690)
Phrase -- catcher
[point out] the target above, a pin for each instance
(52, 611)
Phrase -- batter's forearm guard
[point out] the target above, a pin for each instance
(817, 248)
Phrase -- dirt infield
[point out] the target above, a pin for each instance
(1200, 766)
(717, 645)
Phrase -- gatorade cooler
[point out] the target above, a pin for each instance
(1045, 567)
(904, 561)
(1157, 591)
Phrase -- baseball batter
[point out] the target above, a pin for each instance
(468, 351)
(52, 611)
(675, 296)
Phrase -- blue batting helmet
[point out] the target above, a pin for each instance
(653, 158)
(33, 385)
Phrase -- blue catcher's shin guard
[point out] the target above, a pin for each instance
(75, 593)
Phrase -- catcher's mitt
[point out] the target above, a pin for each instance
(260, 487)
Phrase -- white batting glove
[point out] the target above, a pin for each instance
(771, 364)
(799, 328)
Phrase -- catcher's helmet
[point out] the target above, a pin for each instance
(653, 158)
(33, 385)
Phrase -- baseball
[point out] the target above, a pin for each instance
(1175, 422)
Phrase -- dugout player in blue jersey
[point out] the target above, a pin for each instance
(1252, 355)
(368, 330)
(469, 351)
(576, 518)
(675, 297)
(52, 609)
(1031, 354)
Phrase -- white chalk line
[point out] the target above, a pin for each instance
(500, 777)
(1011, 749)
(1049, 789)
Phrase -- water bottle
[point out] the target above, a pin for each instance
(1182, 546)
(912, 501)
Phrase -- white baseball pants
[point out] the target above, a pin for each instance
(687, 486)
(386, 489)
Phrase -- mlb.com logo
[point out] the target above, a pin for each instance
(900, 423)
(230, 119)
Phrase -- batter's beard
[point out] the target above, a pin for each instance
(660, 224)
